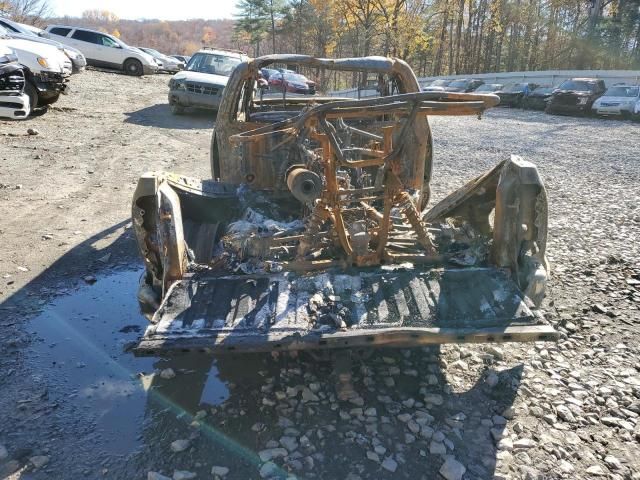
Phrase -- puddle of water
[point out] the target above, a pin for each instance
(80, 352)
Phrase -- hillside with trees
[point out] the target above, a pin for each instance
(438, 37)
(172, 37)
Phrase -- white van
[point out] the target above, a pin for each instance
(104, 50)
(45, 74)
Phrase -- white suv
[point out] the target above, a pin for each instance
(104, 50)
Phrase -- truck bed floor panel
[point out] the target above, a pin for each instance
(395, 308)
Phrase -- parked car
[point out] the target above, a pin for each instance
(34, 34)
(538, 98)
(436, 86)
(291, 82)
(618, 100)
(514, 94)
(44, 74)
(267, 72)
(165, 63)
(575, 96)
(104, 50)
(310, 83)
(463, 85)
(489, 88)
(14, 103)
(183, 58)
(201, 83)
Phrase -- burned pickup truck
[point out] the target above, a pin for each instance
(315, 233)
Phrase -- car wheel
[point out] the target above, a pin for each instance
(133, 67)
(176, 109)
(32, 93)
(49, 100)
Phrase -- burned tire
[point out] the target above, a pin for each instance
(133, 67)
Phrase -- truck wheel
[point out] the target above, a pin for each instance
(133, 67)
(32, 93)
(176, 109)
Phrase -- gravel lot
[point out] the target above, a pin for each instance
(74, 404)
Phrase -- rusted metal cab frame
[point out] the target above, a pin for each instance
(193, 269)
(229, 163)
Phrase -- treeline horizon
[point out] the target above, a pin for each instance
(447, 37)
(436, 37)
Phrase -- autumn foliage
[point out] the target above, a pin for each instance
(438, 37)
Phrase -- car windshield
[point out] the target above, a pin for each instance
(621, 91)
(514, 88)
(212, 63)
(153, 52)
(578, 85)
(440, 83)
(294, 77)
(459, 84)
(488, 87)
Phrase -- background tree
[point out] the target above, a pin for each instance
(437, 37)
(26, 11)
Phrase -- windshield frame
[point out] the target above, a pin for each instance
(514, 88)
(462, 83)
(195, 58)
(590, 86)
(543, 90)
(635, 89)
(489, 87)
(152, 52)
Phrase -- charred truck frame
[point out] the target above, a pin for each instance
(314, 232)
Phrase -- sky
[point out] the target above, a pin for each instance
(137, 9)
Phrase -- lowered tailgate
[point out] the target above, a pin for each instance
(374, 308)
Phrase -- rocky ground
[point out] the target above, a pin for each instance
(74, 404)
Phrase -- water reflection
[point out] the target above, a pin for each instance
(232, 407)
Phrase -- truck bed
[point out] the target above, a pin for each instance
(388, 307)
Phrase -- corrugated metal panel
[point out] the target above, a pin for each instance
(256, 310)
(547, 77)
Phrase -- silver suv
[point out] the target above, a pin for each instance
(201, 83)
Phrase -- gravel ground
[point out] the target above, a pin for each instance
(75, 405)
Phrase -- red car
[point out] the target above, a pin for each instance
(293, 82)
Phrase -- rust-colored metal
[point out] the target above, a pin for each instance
(310, 188)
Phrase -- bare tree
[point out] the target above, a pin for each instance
(26, 11)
